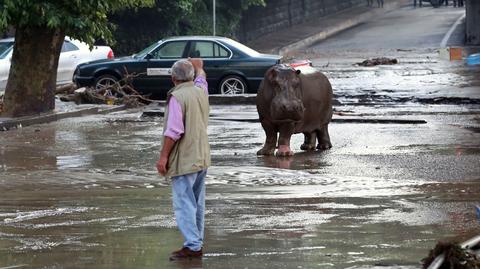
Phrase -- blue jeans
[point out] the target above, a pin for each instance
(189, 206)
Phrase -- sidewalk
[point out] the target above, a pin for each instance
(305, 34)
(62, 111)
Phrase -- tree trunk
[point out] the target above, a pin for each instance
(33, 73)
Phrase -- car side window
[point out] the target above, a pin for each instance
(5, 48)
(68, 46)
(207, 49)
(170, 50)
(220, 52)
(236, 55)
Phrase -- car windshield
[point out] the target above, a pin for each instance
(144, 52)
(241, 47)
(5, 47)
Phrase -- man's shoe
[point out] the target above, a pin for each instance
(185, 253)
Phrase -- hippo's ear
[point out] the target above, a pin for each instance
(298, 72)
(271, 74)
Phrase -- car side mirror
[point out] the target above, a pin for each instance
(148, 56)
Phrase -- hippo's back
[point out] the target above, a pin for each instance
(317, 99)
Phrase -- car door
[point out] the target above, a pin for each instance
(215, 60)
(6, 50)
(67, 62)
(4, 70)
(159, 65)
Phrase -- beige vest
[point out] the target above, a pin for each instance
(191, 152)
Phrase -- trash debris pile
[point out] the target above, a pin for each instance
(473, 59)
(454, 257)
(378, 61)
(119, 93)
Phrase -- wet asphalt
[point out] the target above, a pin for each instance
(84, 193)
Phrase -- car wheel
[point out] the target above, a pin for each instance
(107, 85)
(232, 85)
(436, 3)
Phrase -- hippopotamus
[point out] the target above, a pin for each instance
(291, 101)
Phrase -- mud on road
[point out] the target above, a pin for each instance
(83, 193)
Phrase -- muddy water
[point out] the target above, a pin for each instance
(83, 193)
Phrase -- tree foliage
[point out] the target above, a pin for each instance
(40, 29)
(228, 15)
(138, 28)
(85, 20)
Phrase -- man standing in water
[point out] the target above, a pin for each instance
(185, 154)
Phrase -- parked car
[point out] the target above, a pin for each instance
(231, 67)
(434, 3)
(73, 53)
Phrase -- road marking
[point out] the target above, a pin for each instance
(14, 266)
(447, 36)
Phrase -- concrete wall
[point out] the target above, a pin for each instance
(278, 14)
(473, 22)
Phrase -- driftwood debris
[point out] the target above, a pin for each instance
(66, 89)
(119, 93)
(378, 61)
(455, 257)
(91, 96)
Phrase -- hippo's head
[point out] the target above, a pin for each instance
(286, 104)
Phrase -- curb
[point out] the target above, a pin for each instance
(330, 31)
(9, 123)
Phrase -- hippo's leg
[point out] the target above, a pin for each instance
(323, 138)
(309, 142)
(270, 141)
(286, 131)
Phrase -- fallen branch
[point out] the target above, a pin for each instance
(121, 92)
(378, 61)
(66, 89)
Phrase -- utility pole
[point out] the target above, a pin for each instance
(214, 18)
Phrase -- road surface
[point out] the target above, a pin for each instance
(406, 27)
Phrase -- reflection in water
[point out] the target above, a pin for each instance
(78, 151)
(189, 264)
(278, 162)
(44, 148)
(73, 161)
(299, 161)
(28, 149)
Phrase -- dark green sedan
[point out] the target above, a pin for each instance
(231, 67)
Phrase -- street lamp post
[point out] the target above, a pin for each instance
(214, 18)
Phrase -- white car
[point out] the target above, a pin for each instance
(73, 53)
